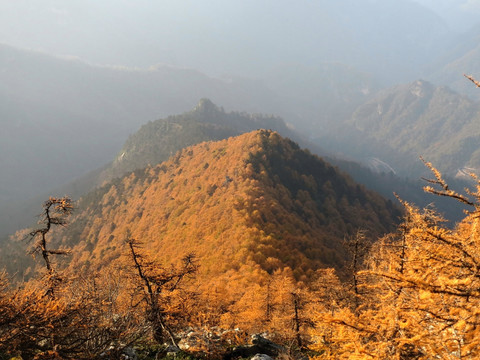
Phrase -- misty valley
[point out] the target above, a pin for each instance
(239, 180)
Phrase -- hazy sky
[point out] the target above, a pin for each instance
(459, 14)
(125, 32)
(204, 34)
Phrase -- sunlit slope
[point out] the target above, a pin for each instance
(252, 201)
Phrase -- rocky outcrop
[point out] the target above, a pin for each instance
(261, 349)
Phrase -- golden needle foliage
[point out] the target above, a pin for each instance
(421, 291)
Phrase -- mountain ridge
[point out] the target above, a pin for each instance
(254, 200)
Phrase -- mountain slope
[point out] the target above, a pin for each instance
(460, 58)
(417, 119)
(256, 201)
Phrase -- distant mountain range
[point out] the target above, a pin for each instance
(418, 119)
(62, 118)
(51, 107)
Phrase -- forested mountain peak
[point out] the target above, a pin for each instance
(206, 106)
(157, 140)
(256, 201)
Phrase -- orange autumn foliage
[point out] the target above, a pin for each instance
(250, 208)
(255, 201)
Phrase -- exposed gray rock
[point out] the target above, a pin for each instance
(259, 340)
(170, 350)
(261, 357)
(260, 345)
(117, 352)
(129, 354)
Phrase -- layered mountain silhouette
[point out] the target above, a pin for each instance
(255, 201)
(62, 117)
